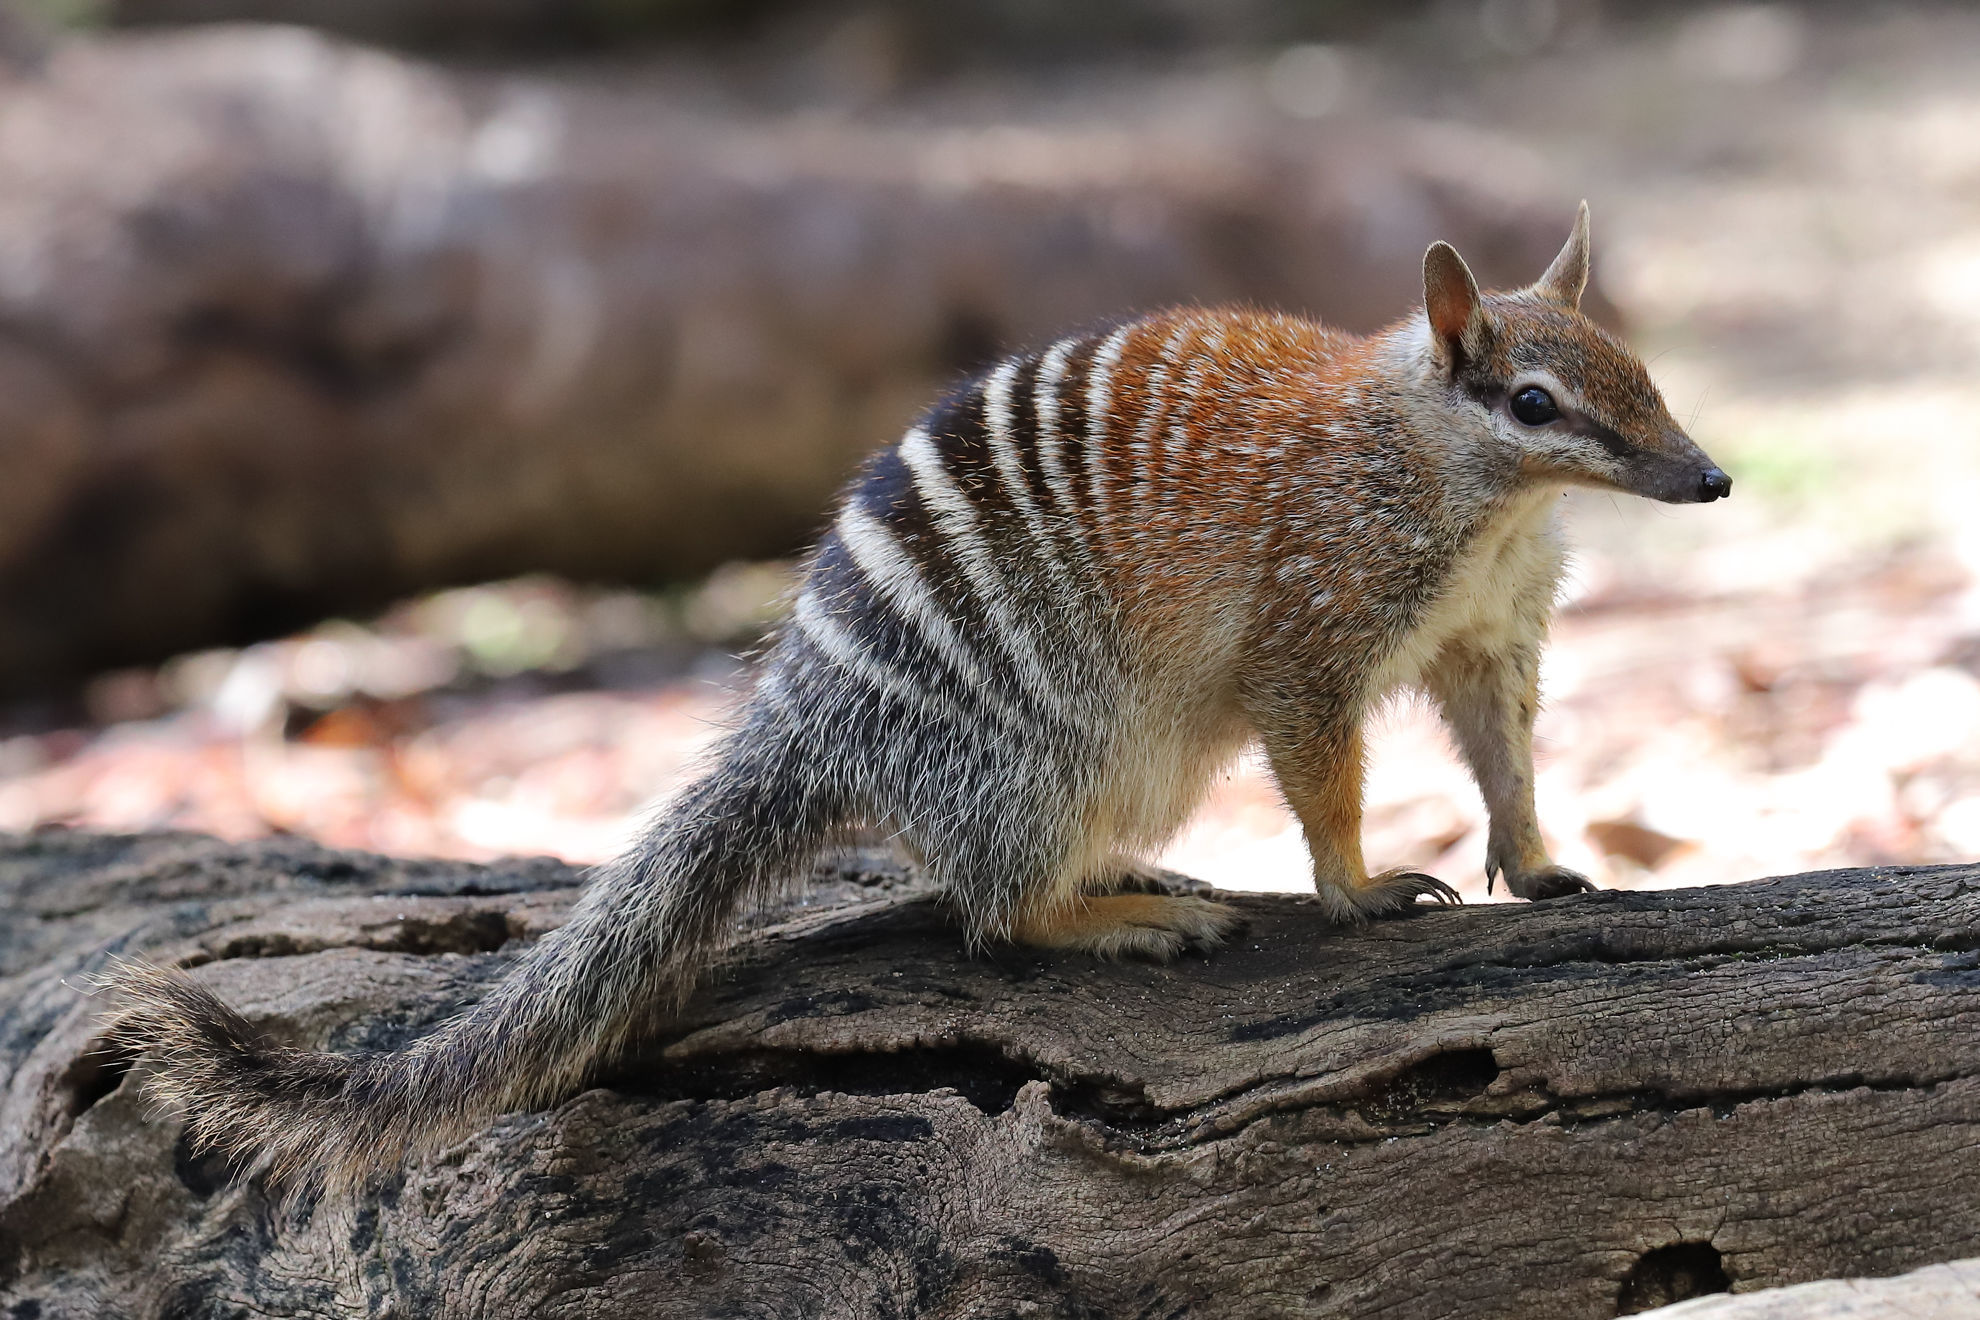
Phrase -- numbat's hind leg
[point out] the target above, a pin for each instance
(1129, 876)
(1153, 926)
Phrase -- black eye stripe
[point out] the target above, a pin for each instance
(1601, 435)
(1496, 397)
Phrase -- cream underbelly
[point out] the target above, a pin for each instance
(1181, 736)
(1155, 778)
(1481, 601)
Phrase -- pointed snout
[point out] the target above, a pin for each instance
(1675, 471)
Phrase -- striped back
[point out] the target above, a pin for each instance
(967, 574)
(993, 560)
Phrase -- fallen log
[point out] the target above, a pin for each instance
(1581, 1108)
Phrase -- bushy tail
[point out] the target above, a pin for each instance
(628, 956)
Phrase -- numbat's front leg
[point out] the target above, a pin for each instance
(1488, 698)
(1321, 775)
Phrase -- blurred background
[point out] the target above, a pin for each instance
(409, 409)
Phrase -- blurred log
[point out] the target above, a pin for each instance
(292, 328)
(956, 32)
(1578, 1109)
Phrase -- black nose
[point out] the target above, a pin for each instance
(1714, 485)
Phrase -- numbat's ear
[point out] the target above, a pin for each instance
(1450, 301)
(1568, 276)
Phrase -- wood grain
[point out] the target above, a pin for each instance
(1571, 1109)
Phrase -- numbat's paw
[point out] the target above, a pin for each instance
(1151, 926)
(1547, 882)
(1384, 895)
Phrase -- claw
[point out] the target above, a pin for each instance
(1421, 884)
(1568, 882)
(1408, 886)
(1386, 894)
(1554, 882)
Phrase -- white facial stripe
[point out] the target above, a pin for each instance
(1565, 448)
(1548, 381)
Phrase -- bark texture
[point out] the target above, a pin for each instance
(289, 328)
(1576, 1109)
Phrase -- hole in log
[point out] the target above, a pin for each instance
(1123, 1105)
(1675, 1273)
(1439, 1084)
(202, 1172)
(98, 1072)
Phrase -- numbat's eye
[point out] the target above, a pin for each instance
(1534, 406)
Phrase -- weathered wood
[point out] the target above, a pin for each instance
(1558, 1110)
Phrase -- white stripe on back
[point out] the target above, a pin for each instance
(1045, 396)
(1151, 416)
(891, 572)
(1099, 383)
(999, 427)
(1052, 450)
(815, 621)
(956, 519)
(1179, 434)
(770, 688)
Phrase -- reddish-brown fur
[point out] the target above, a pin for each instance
(1239, 443)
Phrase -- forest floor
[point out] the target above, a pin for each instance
(1787, 212)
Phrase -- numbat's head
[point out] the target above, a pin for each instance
(1563, 398)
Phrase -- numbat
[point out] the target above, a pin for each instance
(1041, 622)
